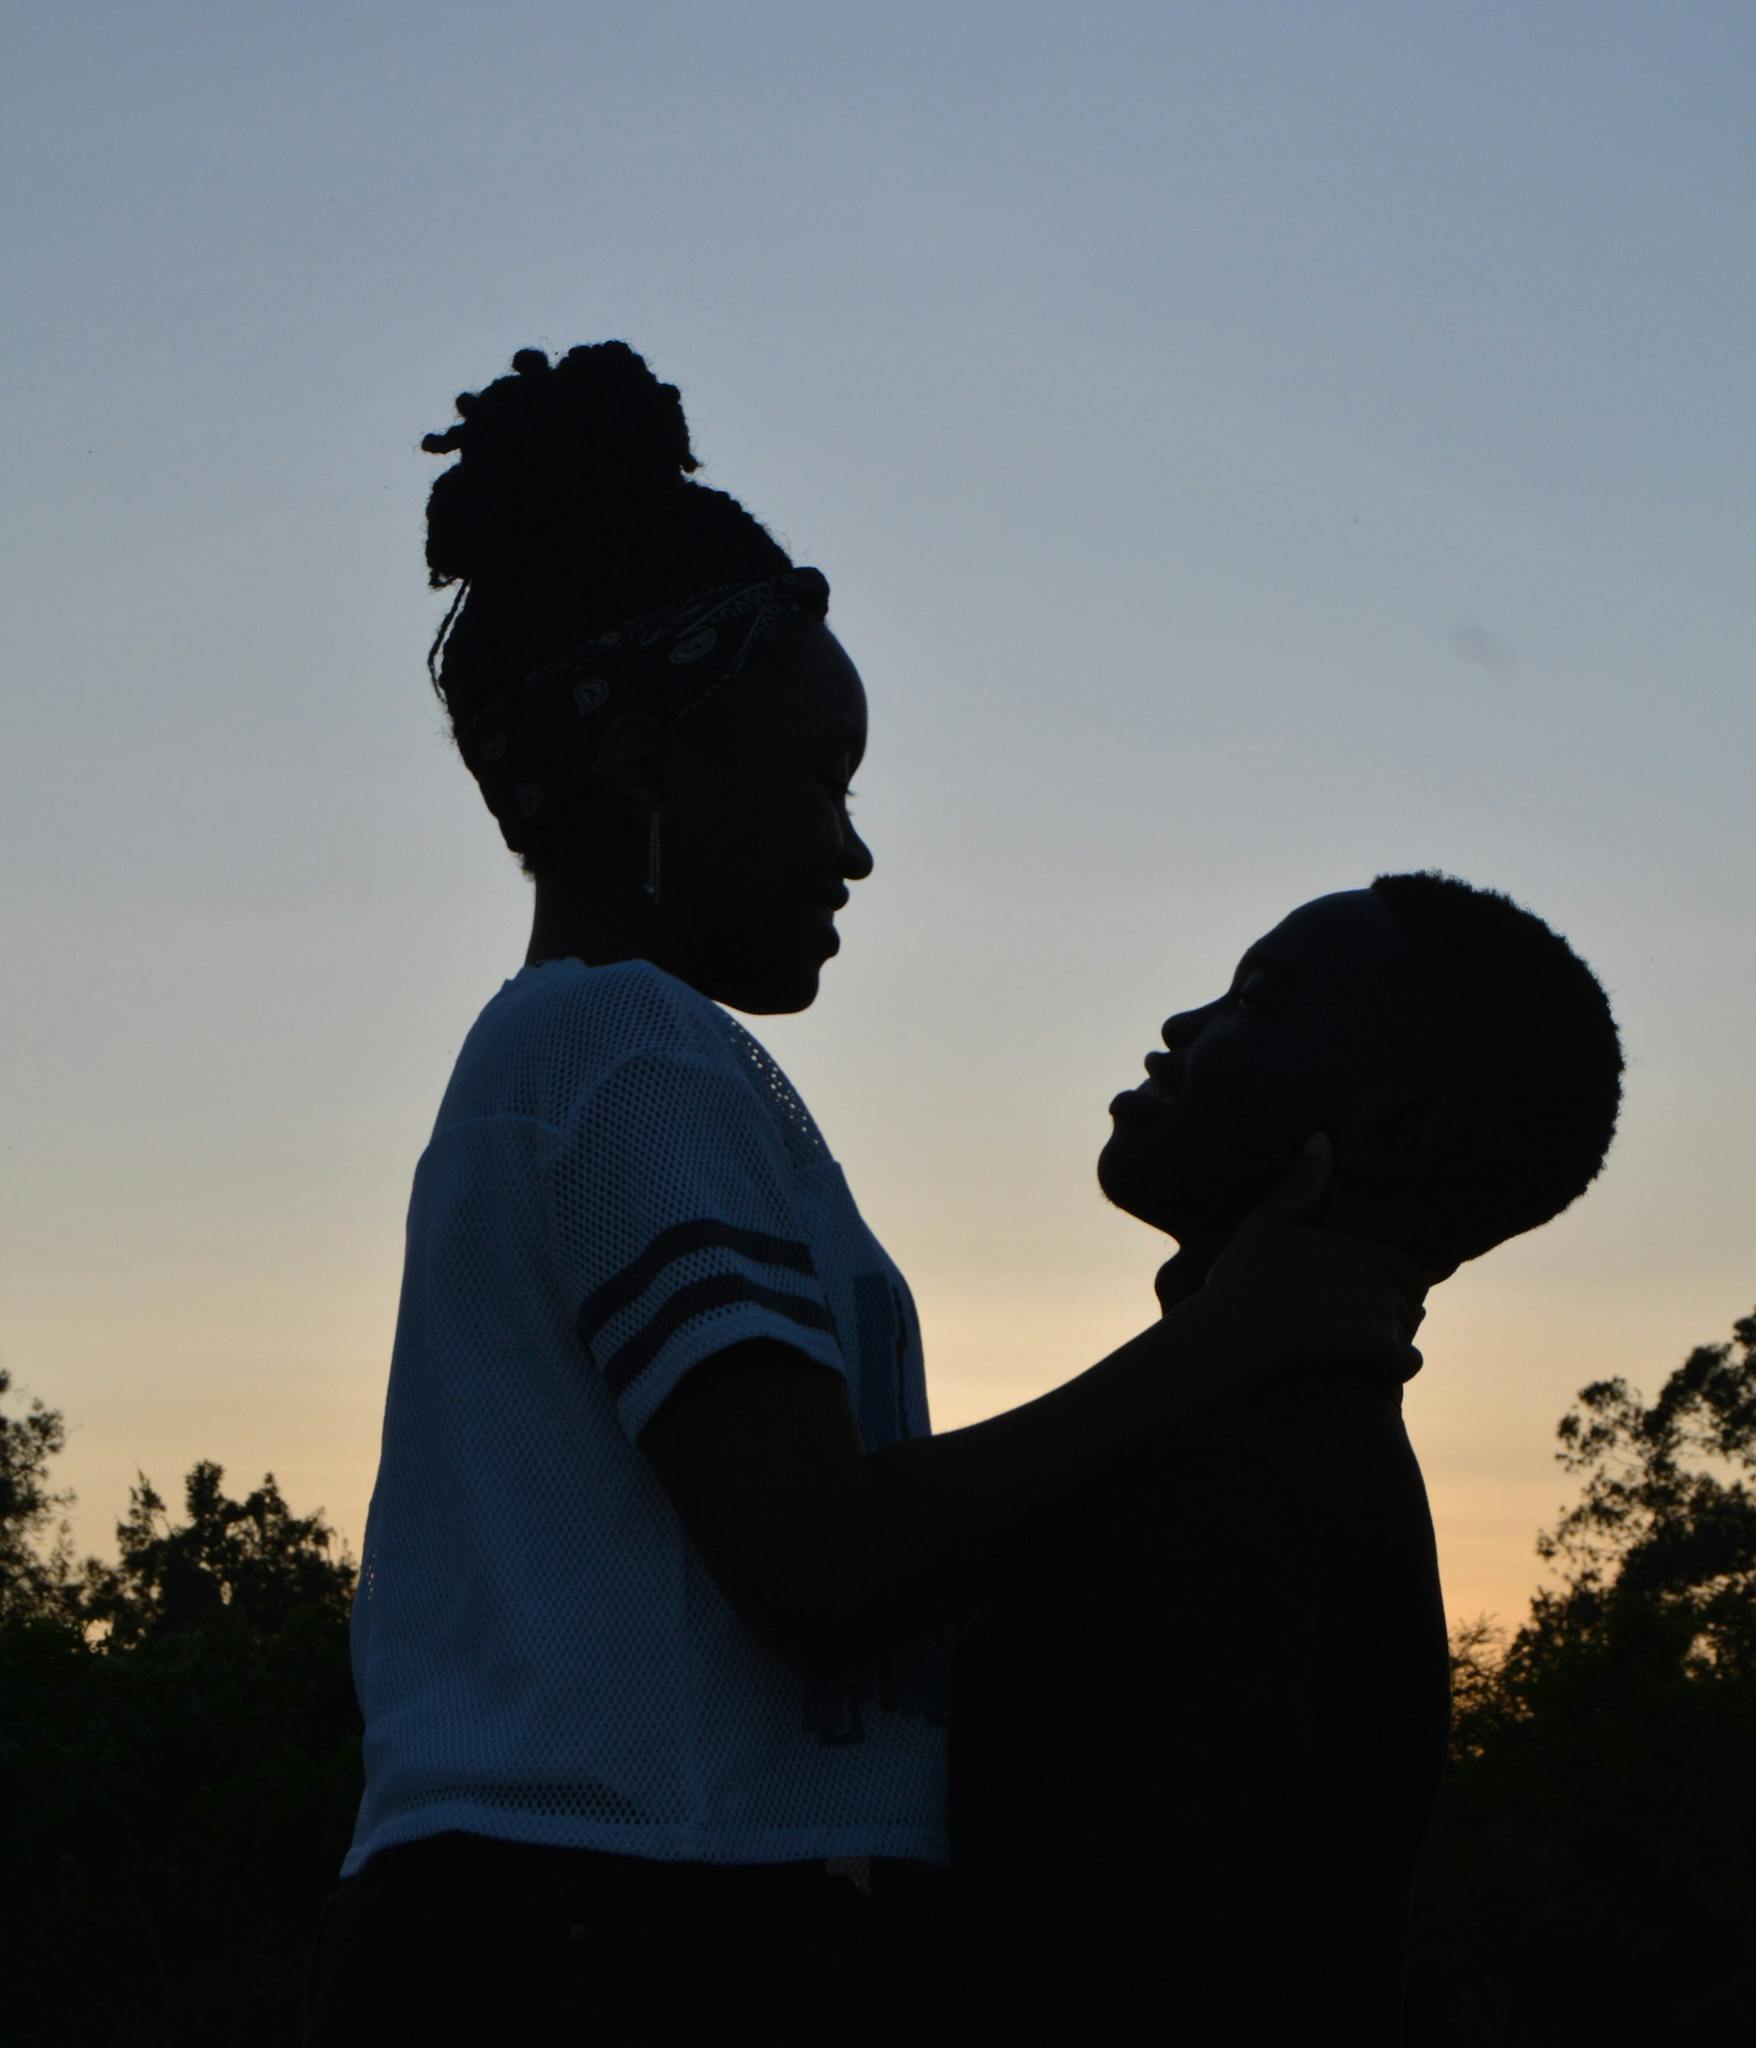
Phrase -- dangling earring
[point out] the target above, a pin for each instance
(652, 862)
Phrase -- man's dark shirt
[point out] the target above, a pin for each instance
(1194, 1754)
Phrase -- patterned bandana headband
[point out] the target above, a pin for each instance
(530, 747)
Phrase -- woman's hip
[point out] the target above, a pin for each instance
(471, 1937)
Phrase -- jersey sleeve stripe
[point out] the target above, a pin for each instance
(719, 1290)
(622, 1289)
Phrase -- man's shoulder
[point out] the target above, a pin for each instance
(1299, 1464)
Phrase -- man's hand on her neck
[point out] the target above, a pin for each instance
(1185, 1274)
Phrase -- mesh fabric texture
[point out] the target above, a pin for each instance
(620, 1184)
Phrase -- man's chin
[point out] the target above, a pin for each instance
(1139, 1195)
(1190, 1216)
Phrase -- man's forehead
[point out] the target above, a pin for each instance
(1352, 927)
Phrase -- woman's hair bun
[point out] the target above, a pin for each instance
(555, 446)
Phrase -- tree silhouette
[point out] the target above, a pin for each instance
(1592, 1875)
(246, 1564)
(1667, 1524)
(179, 1761)
(31, 1586)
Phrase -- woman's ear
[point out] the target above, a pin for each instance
(629, 773)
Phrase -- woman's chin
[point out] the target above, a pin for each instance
(778, 992)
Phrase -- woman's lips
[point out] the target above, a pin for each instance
(821, 915)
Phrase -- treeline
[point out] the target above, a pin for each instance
(180, 1754)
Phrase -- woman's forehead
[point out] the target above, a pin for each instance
(809, 680)
(802, 698)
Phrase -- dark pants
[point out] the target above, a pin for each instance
(458, 1938)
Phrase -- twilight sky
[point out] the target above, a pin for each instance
(1252, 446)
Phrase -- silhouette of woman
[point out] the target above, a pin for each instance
(652, 1628)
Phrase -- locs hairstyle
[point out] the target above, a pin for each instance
(571, 510)
(1530, 1053)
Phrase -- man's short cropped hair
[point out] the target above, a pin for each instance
(1530, 1053)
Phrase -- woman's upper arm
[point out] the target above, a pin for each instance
(760, 1453)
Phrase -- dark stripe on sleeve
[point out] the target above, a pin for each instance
(719, 1290)
(682, 1238)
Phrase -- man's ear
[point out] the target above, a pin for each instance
(1401, 1138)
(628, 776)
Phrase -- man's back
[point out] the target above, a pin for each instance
(1193, 1760)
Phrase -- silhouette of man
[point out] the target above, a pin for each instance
(1194, 1756)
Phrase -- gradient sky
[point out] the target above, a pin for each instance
(1253, 446)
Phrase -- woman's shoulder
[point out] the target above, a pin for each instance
(578, 1023)
(560, 1035)
(622, 1004)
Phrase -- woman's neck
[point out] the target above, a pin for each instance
(598, 927)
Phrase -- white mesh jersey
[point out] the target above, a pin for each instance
(621, 1182)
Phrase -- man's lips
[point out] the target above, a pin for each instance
(1162, 1078)
(1161, 1085)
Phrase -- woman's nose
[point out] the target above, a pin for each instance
(856, 855)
